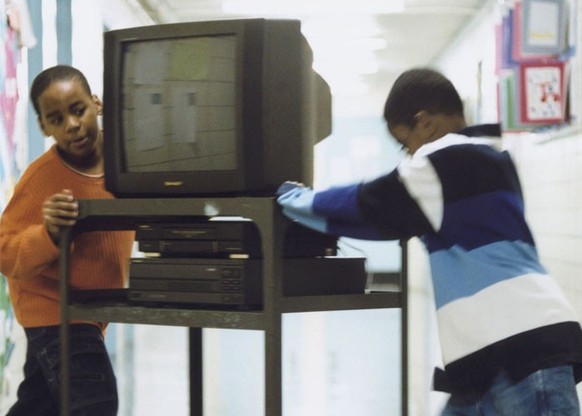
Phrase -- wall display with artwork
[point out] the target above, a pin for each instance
(534, 50)
(15, 33)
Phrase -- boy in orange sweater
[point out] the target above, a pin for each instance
(44, 202)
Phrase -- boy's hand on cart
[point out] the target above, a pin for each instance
(59, 211)
(288, 186)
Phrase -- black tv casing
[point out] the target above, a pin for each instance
(283, 110)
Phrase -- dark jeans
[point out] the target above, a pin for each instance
(547, 392)
(93, 388)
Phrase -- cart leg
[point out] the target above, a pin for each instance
(196, 408)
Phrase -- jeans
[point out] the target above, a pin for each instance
(93, 388)
(548, 392)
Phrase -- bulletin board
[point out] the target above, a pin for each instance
(534, 51)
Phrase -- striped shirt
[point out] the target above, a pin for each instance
(497, 307)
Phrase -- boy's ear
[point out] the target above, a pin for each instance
(427, 122)
(422, 117)
(98, 105)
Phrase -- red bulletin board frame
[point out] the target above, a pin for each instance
(543, 92)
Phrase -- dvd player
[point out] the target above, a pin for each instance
(239, 282)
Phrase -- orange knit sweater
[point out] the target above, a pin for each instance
(28, 256)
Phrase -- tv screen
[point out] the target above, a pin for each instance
(227, 107)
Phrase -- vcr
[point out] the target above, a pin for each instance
(226, 238)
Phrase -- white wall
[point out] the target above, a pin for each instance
(469, 62)
(551, 173)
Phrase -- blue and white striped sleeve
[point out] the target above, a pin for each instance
(406, 201)
(334, 211)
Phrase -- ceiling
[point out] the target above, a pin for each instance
(360, 46)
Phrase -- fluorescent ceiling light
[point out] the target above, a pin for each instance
(347, 85)
(343, 44)
(340, 26)
(369, 43)
(293, 8)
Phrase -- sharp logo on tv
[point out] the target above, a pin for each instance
(173, 183)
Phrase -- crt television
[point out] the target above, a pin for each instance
(228, 107)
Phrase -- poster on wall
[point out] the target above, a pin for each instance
(543, 93)
(543, 28)
(537, 30)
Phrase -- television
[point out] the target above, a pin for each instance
(212, 108)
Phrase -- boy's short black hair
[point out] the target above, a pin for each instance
(420, 89)
(55, 74)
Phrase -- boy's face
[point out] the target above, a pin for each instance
(407, 136)
(69, 114)
(427, 128)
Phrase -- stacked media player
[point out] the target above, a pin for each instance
(219, 264)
